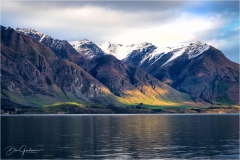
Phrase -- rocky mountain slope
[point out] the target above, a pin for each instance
(134, 85)
(36, 67)
(197, 69)
(61, 48)
(33, 75)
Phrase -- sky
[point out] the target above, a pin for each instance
(162, 23)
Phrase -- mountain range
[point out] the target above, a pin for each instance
(37, 69)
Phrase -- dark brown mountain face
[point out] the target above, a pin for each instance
(133, 84)
(112, 73)
(73, 79)
(26, 57)
(210, 76)
(25, 71)
(33, 75)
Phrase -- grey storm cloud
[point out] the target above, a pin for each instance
(138, 6)
(115, 5)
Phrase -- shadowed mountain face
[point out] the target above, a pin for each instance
(135, 85)
(33, 75)
(197, 69)
(211, 77)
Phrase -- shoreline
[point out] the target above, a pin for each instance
(127, 111)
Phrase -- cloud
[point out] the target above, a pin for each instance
(161, 23)
(184, 28)
(85, 20)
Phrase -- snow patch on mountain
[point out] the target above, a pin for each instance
(121, 51)
(118, 50)
(32, 33)
(77, 44)
(124, 51)
(41, 37)
(28, 31)
(195, 49)
(192, 50)
(87, 48)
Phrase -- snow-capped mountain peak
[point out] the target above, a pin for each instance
(77, 44)
(87, 48)
(144, 44)
(192, 50)
(28, 30)
(121, 51)
(56, 45)
(148, 54)
(124, 51)
(33, 33)
(84, 41)
(196, 48)
(118, 50)
(143, 51)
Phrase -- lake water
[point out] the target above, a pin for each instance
(199, 136)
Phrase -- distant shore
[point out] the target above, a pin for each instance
(77, 110)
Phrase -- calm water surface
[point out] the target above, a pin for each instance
(121, 136)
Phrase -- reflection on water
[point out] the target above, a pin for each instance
(123, 136)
